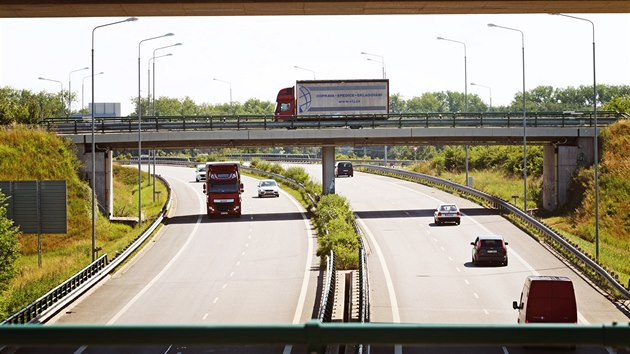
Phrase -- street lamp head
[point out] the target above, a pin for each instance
(131, 19)
(168, 35)
(41, 78)
(176, 44)
(440, 38)
(491, 25)
(473, 84)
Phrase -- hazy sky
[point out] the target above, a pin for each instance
(257, 55)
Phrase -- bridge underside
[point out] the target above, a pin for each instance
(99, 8)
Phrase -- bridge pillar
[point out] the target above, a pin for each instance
(559, 165)
(328, 170)
(103, 184)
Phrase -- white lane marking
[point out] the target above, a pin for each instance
(161, 273)
(231, 274)
(458, 270)
(224, 286)
(168, 349)
(388, 278)
(216, 299)
(505, 351)
(450, 258)
(466, 281)
(205, 316)
(307, 271)
(486, 311)
(80, 350)
(475, 295)
(238, 263)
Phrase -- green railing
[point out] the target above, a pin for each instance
(315, 334)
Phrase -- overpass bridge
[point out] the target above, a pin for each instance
(566, 137)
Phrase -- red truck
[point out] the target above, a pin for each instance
(223, 188)
(332, 97)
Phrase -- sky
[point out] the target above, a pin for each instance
(256, 56)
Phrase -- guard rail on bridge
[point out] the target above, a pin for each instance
(245, 122)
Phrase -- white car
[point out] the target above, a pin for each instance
(200, 174)
(268, 187)
(447, 213)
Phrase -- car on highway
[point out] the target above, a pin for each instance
(268, 187)
(489, 249)
(547, 298)
(446, 213)
(200, 173)
(344, 168)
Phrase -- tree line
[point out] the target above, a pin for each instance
(27, 107)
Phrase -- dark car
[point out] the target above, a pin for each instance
(489, 249)
(344, 168)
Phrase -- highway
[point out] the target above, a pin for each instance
(260, 268)
(422, 273)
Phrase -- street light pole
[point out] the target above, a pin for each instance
(381, 60)
(465, 93)
(155, 50)
(83, 87)
(595, 138)
(130, 19)
(489, 88)
(524, 115)
(299, 67)
(230, 84)
(151, 108)
(70, 89)
(139, 108)
(60, 92)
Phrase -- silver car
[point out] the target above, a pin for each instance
(447, 213)
(268, 187)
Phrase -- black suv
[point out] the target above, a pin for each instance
(344, 168)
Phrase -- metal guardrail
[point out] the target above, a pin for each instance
(42, 309)
(105, 125)
(328, 290)
(507, 207)
(314, 335)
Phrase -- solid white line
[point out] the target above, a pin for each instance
(80, 350)
(160, 274)
(299, 309)
(388, 278)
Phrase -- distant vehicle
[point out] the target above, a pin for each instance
(223, 188)
(489, 249)
(268, 187)
(344, 168)
(333, 97)
(200, 173)
(446, 213)
(547, 299)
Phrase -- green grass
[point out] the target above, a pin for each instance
(64, 255)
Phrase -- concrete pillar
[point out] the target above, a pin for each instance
(328, 170)
(559, 166)
(104, 179)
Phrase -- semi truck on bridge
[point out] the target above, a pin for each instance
(223, 188)
(308, 99)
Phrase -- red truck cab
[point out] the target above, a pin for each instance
(223, 188)
(285, 104)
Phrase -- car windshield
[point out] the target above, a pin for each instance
(224, 188)
(267, 183)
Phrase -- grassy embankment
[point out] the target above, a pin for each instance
(31, 154)
(577, 221)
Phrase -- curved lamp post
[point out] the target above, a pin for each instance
(380, 60)
(60, 92)
(83, 87)
(595, 143)
(230, 84)
(465, 93)
(155, 50)
(301, 68)
(139, 107)
(130, 19)
(70, 89)
(489, 88)
(524, 115)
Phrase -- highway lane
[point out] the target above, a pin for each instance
(260, 268)
(422, 273)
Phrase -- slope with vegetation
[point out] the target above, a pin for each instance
(28, 153)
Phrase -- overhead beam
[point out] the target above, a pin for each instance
(106, 8)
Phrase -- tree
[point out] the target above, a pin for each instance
(8, 245)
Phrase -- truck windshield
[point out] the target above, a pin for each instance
(231, 187)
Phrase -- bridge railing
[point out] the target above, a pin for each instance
(105, 125)
(611, 281)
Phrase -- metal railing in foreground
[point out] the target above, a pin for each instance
(315, 334)
(504, 206)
